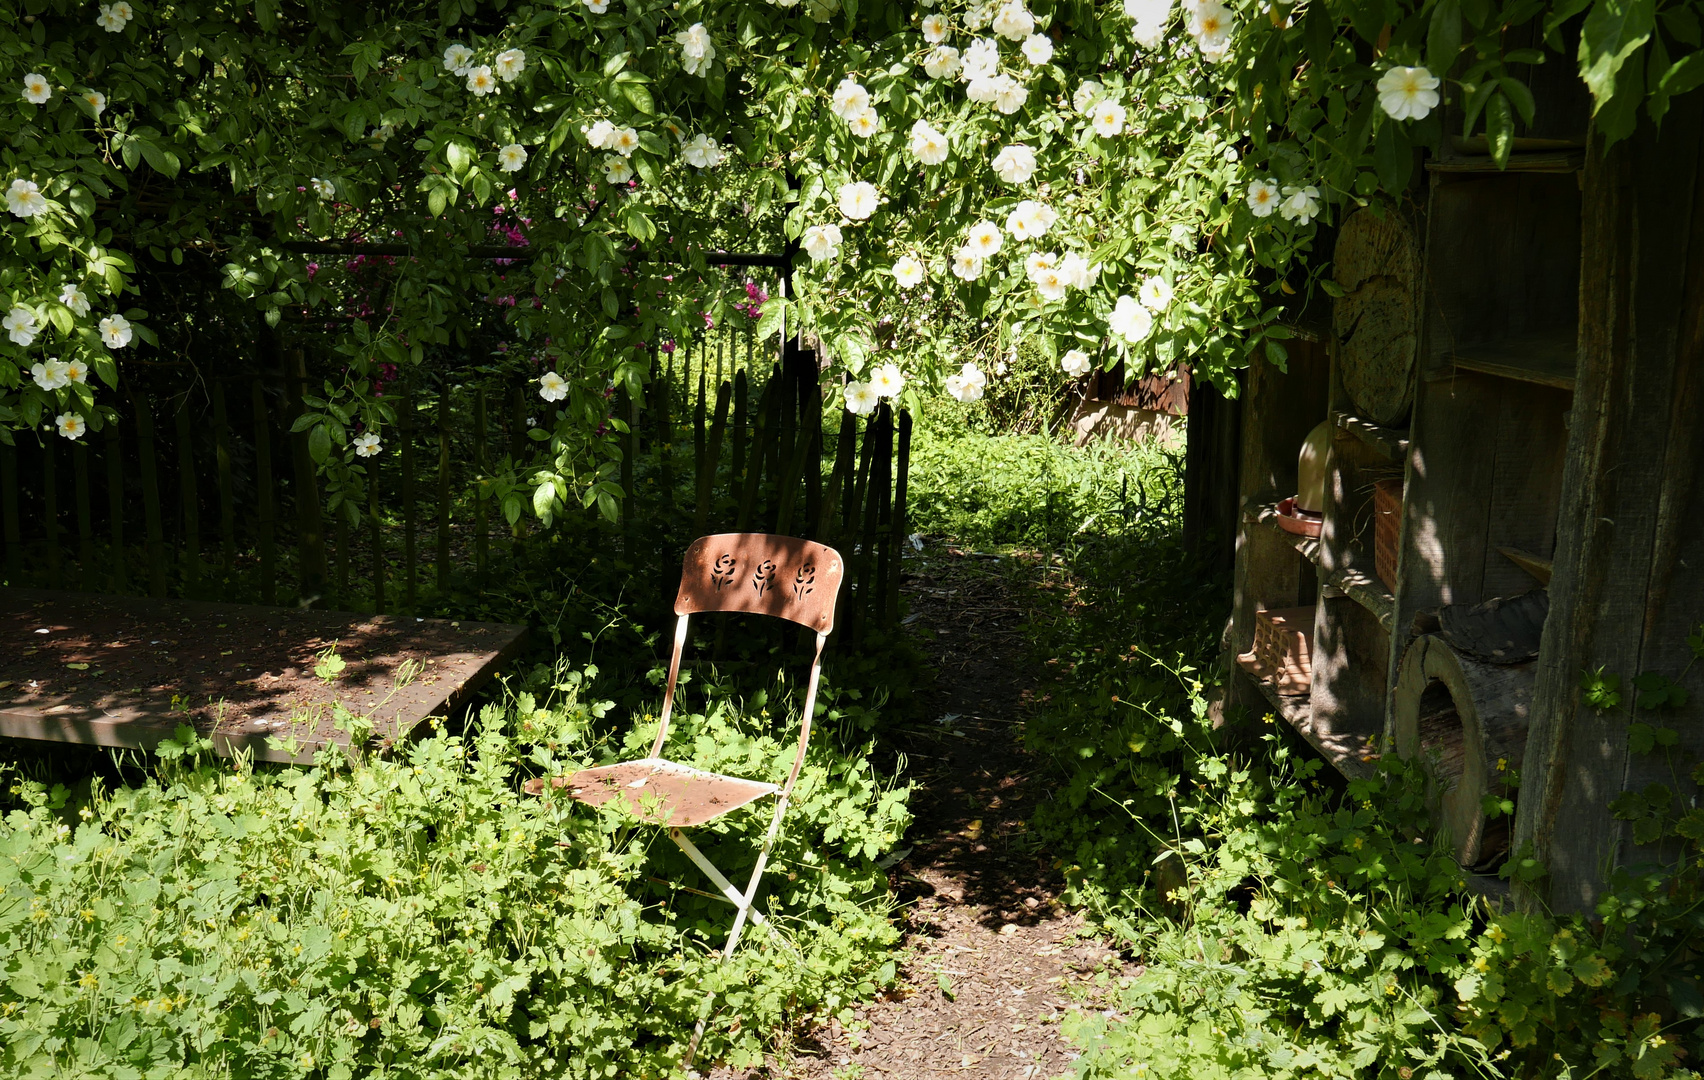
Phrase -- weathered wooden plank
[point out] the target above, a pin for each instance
(1625, 585)
(376, 535)
(50, 510)
(266, 513)
(151, 511)
(711, 457)
(85, 517)
(405, 418)
(246, 672)
(442, 555)
(482, 505)
(10, 519)
(896, 527)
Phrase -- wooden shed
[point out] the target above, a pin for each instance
(1512, 379)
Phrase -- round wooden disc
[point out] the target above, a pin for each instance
(1377, 320)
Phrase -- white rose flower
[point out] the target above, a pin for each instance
(934, 29)
(984, 238)
(20, 325)
(112, 17)
(983, 90)
(76, 372)
(115, 331)
(50, 375)
(512, 157)
(367, 445)
(1151, 17)
(1211, 24)
(696, 50)
(96, 101)
(325, 189)
(1078, 273)
(1263, 197)
(1086, 96)
(1030, 219)
(942, 62)
(458, 59)
(850, 98)
(597, 7)
(510, 63)
(1015, 164)
(887, 381)
(859, 199)
(552, 387)
(821, 242)
(1108, 120)
(1408, 93)
(1037, 261)
(480, 80)
(73, 297)
(907, 271)
(981, 60)
(702, 152)
(865, 124)
(861, 398)
(1130, 320)
(967, 264)
(1155, 294)
(968, 384)
(600, 135)
(1050, 283)
(1038, 49)
(1230, 155)
(616, 169)
(37, 89)
(71, 425)
(624, 141)
(978, 16)
(1076, 363)
(1009, 94)
(1013, 21)
(25, 200)
(928, 145)
(1301, 204)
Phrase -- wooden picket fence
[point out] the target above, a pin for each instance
(201, 490)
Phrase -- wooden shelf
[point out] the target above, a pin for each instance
(1389, 441)
(1350, 755)
(1357, 585)
(1548, 161)
(1547, 362)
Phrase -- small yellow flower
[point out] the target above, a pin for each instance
(89, 980)
(88, 914)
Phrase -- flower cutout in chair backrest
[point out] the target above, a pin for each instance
(804, 580)
(764, 579)
(722, 573)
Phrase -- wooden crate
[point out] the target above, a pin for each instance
(1387, 529)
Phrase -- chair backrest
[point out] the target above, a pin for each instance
(762, 574)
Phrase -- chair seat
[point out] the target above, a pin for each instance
(658, 791)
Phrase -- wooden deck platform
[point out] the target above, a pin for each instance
(126, 672)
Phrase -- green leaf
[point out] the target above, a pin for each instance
(639, 96)
(1500, 129)
(319, 443)
(1613, 32)
(1517, 92)
(1392, 157)
(1443, 38)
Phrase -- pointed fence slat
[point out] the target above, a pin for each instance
(151, 512)
(266, 509)
(85, 517)
(189, 500)
(118, 580)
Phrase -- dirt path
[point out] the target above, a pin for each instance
(992, 960)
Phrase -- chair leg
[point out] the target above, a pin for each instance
(729, 893)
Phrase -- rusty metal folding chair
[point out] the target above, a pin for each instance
(755, 573)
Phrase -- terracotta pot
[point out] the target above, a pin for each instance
(1299, 522)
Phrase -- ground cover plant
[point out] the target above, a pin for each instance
(1291, 924)
(419, 917)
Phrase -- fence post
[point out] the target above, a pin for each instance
(85, 518)
(12, 525)
(405, 432)
(481, 512)
(896, 535)
(710, 456)
(115, 506)
(376, 535)
(188, 499)
(227, 494)
(150, 496)
(443, 552)
(840, 480)
(266, 512)
(50, 491)
(310, 522)
(665, 431)
(754, 462)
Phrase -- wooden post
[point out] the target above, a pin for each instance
(698, 432)
(665, 433)
(50, 493)
(481, 507)
(443, 552)
(405, 435)
(841, 479)
(876, 528)
(85, 518)
(266, 514)
(871, 483)
(118, 581)
(786, 433)
(712, 454)
(12, 523)
(896, 534)
(227, 494)
(375, 535)
(310, 522)
(151, 512)
(809, 376)
(188, 499)
(754, 465)
(737, 453)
